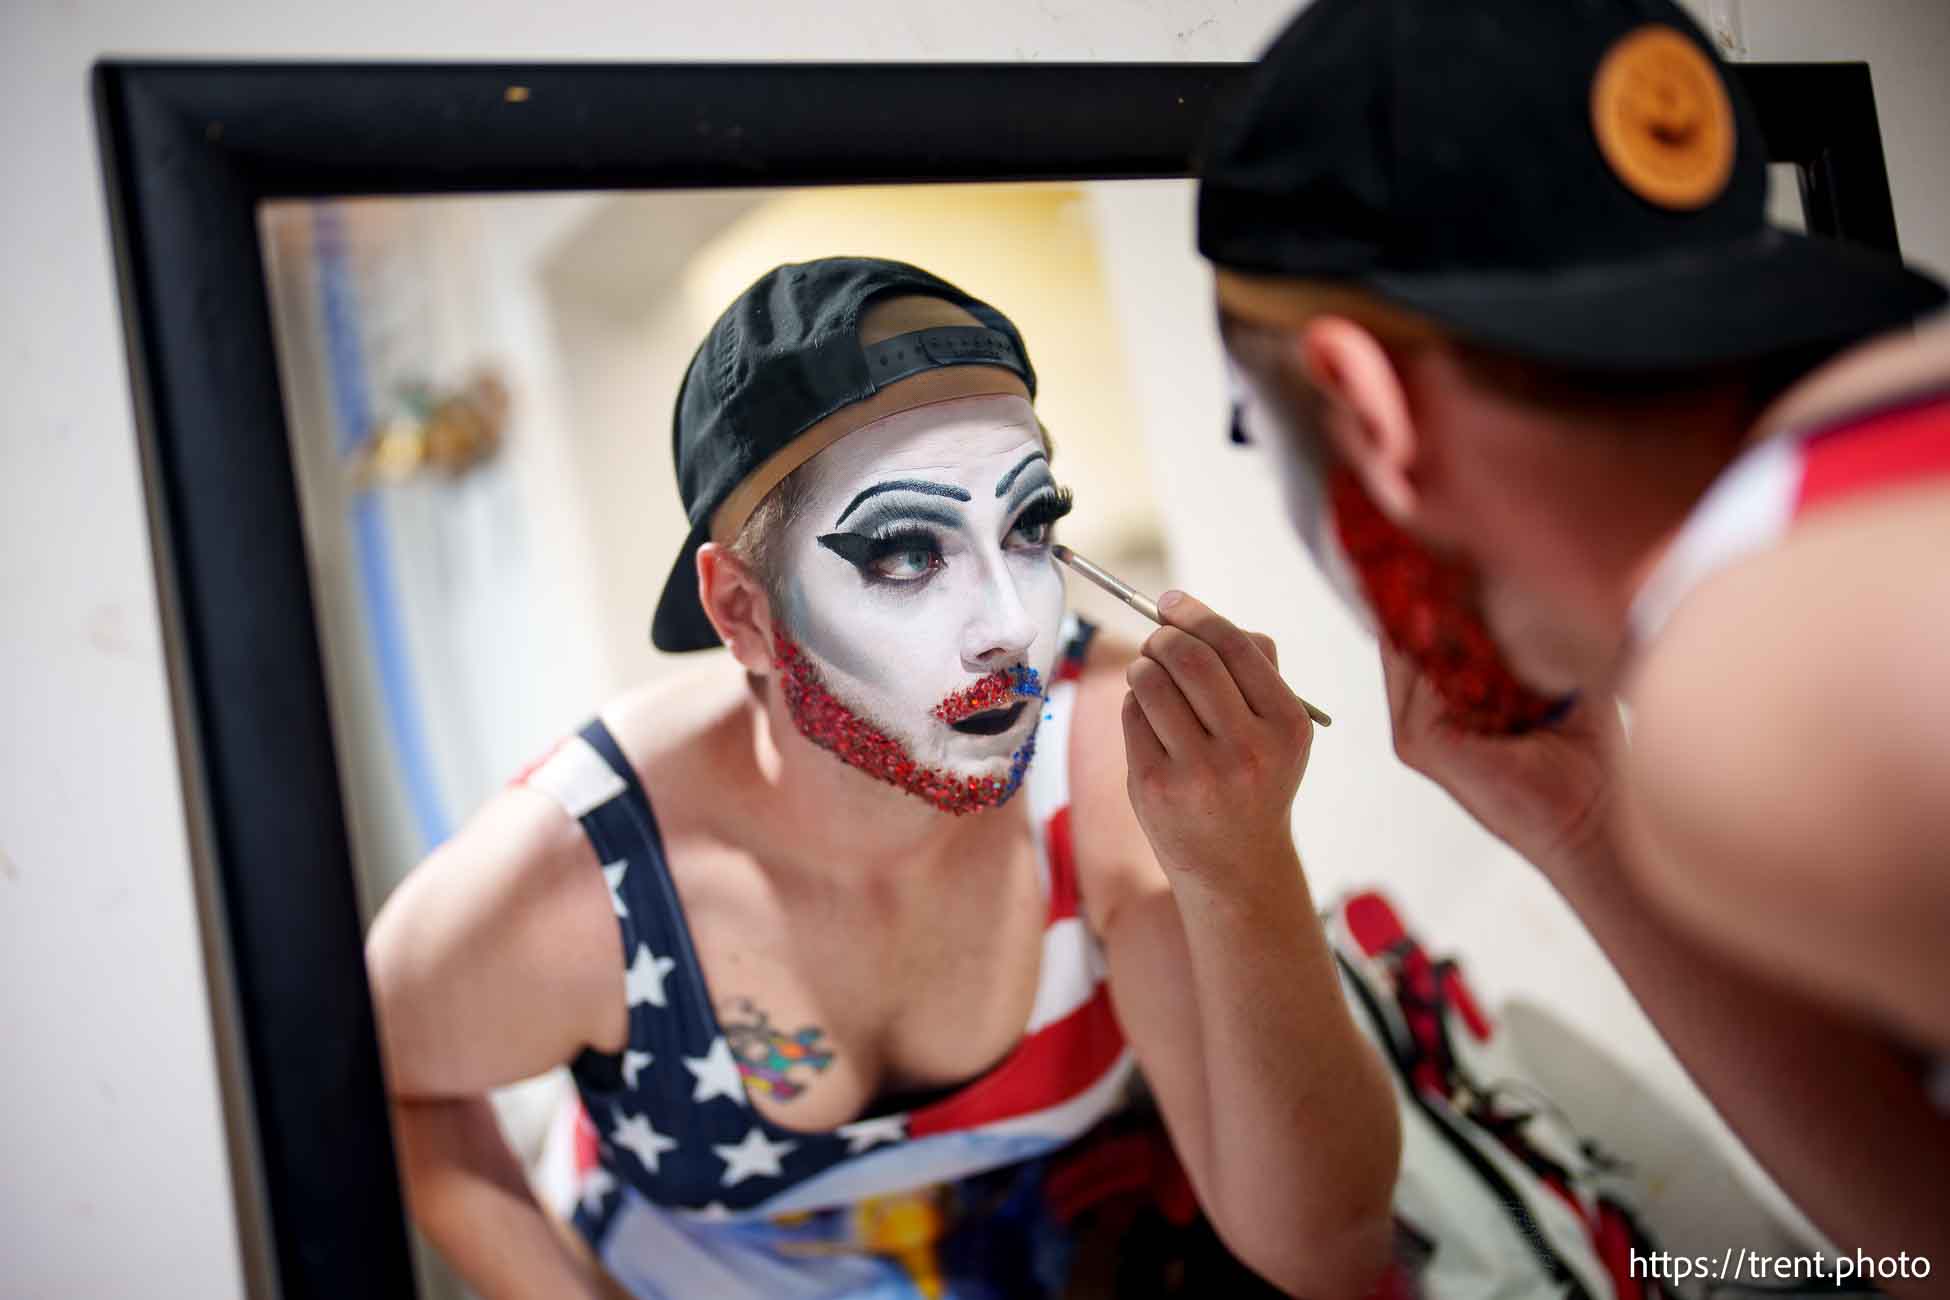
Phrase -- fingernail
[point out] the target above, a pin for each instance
(1170, 599)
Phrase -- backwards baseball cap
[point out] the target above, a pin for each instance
(808, 354)
(1573, 181)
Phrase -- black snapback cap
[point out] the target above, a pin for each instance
(1574, 181)
(783, 357)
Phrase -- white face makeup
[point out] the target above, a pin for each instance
(919, 583)
(1303, 485)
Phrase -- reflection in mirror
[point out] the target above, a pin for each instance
(480, 394)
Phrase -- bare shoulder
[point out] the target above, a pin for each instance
(673, 714)
(496, 958)
(1817, 662)
(688, 734)
(1114, 860)
(1855, 600)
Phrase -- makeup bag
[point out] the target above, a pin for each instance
(1499, 1196)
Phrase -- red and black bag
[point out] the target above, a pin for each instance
(1498, 1196)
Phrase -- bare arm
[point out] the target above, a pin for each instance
(1221, 974)
(496, 960)
(1835, 1113)
(1791, 760)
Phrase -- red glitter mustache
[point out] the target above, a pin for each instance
(1426, 609)
(998, 690)
(822, 719)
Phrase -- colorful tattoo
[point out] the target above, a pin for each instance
(765, 1053)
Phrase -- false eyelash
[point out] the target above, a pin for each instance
(1047, 508)
(862, 550)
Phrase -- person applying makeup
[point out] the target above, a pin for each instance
(869, 948)
(1569, 423)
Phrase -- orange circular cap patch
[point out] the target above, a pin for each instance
(1663, 119)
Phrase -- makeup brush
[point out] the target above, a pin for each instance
(1143, 604)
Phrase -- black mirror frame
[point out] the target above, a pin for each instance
(189, 150)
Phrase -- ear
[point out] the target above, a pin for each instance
(735, 602)
(1365, 412)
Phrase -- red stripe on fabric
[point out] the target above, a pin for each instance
(1616, 1242)
(536, 762)
(1881, 451)
(1564, 1193)
(587, 1141)
(1061, 851)
(1070, 666)
(1050, 1066)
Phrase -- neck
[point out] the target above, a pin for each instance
(834, 819)
(1637, 485)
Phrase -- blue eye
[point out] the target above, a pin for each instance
(907, 555)
(907, 563)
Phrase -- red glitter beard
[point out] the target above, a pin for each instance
(1426, 609)
(826, 722)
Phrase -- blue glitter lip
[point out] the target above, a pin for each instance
(1028, 682)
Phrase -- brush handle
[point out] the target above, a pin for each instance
(1146, 606)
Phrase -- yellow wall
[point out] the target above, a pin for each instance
(1029, 250)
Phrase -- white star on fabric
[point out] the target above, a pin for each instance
(646, 976)
(596, 1185)
(613, 873)
(717, 1073)
(635, 1133)
(756, 1155)
(715, 1212)
(863, 1133)
(633, 1061)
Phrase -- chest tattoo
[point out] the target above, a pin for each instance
(774, 1062)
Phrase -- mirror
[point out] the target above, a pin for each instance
(302, 758)
(479, 393)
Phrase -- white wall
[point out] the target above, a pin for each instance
(1904, 43)
(116, 1181)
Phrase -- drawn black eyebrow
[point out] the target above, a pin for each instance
(905, 485)
(856, 548)
(1031, 483)
(1002, 484)
(911, 512)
